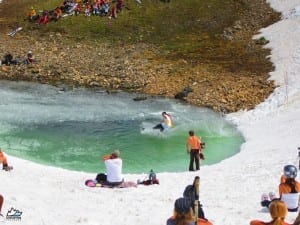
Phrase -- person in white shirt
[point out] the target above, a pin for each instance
(113, 164)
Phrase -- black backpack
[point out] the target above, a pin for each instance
(101, 177)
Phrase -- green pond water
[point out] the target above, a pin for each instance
(73, 128)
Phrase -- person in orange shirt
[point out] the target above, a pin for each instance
(193, 147)
(3, 161)
(278, 212)
(289, 189)
(31, 14)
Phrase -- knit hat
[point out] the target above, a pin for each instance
(182, 205)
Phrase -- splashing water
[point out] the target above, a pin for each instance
(74, 128)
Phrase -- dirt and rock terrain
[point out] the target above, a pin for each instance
(141, 67)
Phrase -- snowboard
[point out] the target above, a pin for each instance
(13, 32)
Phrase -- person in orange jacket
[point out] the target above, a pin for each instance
(3, 161)
(278, 212)
(194, 148)
(32, 15)
(289, 189)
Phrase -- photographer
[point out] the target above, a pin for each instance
(194, 148)
(113, 164)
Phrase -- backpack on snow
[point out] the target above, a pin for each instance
(101, 177)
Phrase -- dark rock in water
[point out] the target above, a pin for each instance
(141, 98)
(184, 93)
(112, 91)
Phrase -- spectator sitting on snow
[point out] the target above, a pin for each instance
(3, 161)
(113, 164)
(278, 212)
(184, 214)
(290, 188)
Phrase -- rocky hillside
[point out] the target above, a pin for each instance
(144, 68)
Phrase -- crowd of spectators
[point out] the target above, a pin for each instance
(108, 8)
